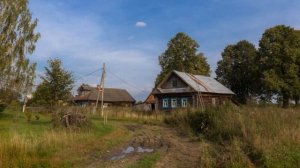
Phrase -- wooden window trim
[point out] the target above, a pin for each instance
(165, 103)
(182, 102)
(174, 99)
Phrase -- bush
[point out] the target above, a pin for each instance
(217, 124)
(28, 116)
(70, 118)
(15, 106)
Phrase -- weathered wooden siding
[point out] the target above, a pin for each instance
(209, 100)
(169, 83)
(178, 97)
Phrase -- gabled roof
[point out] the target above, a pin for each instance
(198, 83)
(110, 95)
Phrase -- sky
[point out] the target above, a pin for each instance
(129, 35)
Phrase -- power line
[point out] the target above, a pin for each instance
(82, 76)
(88, 74)
(124, 81)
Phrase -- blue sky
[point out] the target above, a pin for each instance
(129, 35)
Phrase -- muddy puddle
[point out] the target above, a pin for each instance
(131, 150)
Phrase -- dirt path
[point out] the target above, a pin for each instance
(182, 151)
(175, 150)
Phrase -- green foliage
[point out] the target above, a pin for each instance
(208, 123)
(238, 70)
(18, 38)
(7, 96)
(41, 96)
(56, 86)
(279, 61)
(14, 107)
(181, 55)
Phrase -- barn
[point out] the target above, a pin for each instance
(87, 96)
(180, 90)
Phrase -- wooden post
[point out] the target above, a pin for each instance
(102, 94)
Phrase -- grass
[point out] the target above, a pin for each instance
(247, 136)
(244, 136)
(37, 144)
(148, 161)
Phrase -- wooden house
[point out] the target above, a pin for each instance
(87, 96)
(180, 89)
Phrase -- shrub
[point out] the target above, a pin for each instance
(28, 116)
(37, 117)
(70, 118)
(14, 106)
(216, 124)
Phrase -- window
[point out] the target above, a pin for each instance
(174, 83)
(174, 103)
(165, 103)
(184, 102)
(213, 101)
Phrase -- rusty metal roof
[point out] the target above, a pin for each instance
(203, 83)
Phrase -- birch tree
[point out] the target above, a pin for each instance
(17, 41)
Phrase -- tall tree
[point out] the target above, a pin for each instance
(296, 93)
(181, 55)
(279, 54)
(42, 96)
(17, 39)
(238, 71)
(56, 86)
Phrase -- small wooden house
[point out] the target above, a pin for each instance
(87, 96)
(180, 89)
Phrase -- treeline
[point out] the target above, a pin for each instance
(271, 72)
(267, 74)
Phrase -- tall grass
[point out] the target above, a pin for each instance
(20, 151)
(38, 144)
(244, 136)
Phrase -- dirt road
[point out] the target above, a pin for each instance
(175, 150)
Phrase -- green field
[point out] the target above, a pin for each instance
(225, 137)
(38, 144)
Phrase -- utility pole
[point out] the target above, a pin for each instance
(101, 89)
(102, 96)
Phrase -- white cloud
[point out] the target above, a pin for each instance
(140, 24)
(82, 46)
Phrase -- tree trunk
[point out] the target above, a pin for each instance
(296, 101)
(285, 100)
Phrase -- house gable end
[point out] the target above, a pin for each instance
(173, 82)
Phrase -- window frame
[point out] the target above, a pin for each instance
(214, 102)
(173, 99)
(182, 102)
(165, 103)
